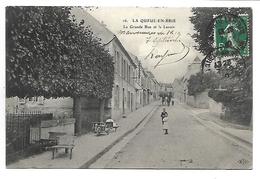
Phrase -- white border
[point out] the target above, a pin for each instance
(35, 173)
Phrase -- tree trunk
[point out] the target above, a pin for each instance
(101, 110)
(76, 114)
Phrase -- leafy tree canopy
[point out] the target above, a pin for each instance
(202, 81)
(49, 54)
(235, 80)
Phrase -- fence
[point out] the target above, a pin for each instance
(23, 130)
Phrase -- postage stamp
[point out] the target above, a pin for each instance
(231, 34)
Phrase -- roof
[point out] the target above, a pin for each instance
(196, 60)
(124, 50)
(99, 30)
(176, 80)
(150, 74)
(134, 58)
(137, 62)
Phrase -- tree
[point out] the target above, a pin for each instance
(202, 81)
(237, 96)
(48, 54)
(236, 78)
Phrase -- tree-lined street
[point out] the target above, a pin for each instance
(70, 74)
(188, 145)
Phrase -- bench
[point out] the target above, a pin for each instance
(64, 142)
(52, 140)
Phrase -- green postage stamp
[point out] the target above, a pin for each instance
(231, 34)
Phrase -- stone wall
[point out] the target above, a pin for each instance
(216, 108)
(66, 126)
(200, 100)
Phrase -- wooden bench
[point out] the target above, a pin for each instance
(52, 140)
(64, 142)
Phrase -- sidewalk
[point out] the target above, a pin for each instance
(236, 131)
(88, 148)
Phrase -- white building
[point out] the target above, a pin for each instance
(180, 89)
(124, 90)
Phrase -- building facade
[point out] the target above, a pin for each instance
(124, 90)
(133, 86)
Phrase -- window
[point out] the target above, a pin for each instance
(116, 98)
(118, 62)
(129, 73)
(122, 67)
(115, 60)
(125, 75)
(128, 99)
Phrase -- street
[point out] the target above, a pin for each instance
(188, 145)
(84, 91)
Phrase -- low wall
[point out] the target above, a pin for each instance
(215, 108)
(199, 101)
(66, 126)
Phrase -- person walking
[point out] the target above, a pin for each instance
(163, 115)
(172, 102)
(162, 101)
(168, 101)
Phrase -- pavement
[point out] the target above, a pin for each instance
(238, 132)
(190, 144)
(88, 148)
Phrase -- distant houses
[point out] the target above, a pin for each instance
(180, 84)
(201, 100)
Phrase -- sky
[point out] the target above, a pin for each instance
(158, 57)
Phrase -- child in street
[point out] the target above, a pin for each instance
(165, 125)
(164, 116)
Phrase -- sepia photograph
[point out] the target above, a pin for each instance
(96, 87)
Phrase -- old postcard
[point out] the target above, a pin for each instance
(129, 87)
